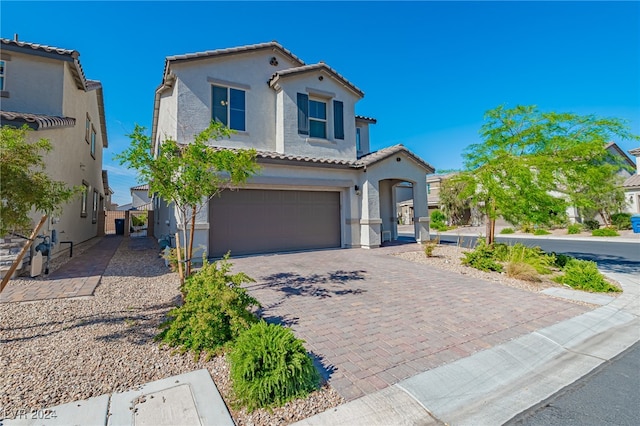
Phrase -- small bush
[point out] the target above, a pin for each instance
(605, 232)
(215, 311)
(541, 232)
(532, 256)
(438, 221)
(522, 271)
(439, 226)
(138, 220)
(591, 225)
(584, 275)
(560, 260)
(429, 247)
(270, 367)
(507, 231)
(621, 220)
(574, 228)
(482, 258)
(528, 228)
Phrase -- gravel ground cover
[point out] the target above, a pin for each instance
(62, 350)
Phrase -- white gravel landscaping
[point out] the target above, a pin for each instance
(61, 350)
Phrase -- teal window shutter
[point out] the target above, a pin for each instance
(338, 120)
(303, 114)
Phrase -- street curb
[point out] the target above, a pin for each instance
(547, 237)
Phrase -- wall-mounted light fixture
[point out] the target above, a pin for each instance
(357, 189)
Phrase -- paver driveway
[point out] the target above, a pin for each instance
(373, 319)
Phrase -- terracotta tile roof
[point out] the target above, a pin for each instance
(362, 162)
(314, 67)
(369, 119)
(235, 50)
(376, 156)
(39, 121)
(635, 151)
(632, 182)
(143, 187)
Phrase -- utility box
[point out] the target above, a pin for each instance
(119, 226)
(635, 223)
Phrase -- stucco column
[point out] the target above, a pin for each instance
(421, 213)
(370, 221)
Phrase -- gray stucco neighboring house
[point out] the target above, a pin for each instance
(46, 89)
(320, 185)
(632, 186)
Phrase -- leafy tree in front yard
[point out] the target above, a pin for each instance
(189, 175)
(452, 203)
(531, 164)
(25, 186)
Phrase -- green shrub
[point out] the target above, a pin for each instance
(605, 232)
(139, 219)
(584, 275)
(541, 232)
(591, 225)
(482, 258)
(429, 247)
(560, 260)
(215, 310)
(574, 228)
(270, 367)
(540, 261)
(528, 228)
(507, 231)
(621, 220)
(438, 221)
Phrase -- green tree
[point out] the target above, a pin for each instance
(531, 164)
(24, 184)
(452, 203)
(189, 175)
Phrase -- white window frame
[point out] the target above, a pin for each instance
(87, 129)
(321, 120)
(94, 213)
(227, 105)
(84, 198)
(93, 142)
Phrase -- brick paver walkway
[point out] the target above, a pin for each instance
(373, 319)
(78, 277)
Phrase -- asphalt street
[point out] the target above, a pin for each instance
(609, 395)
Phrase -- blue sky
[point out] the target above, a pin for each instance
(429, 70)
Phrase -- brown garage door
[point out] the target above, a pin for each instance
(251, 221)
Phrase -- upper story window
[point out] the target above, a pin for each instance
(87, 129)
(229, 107)
(358, 143)
(428, 188)
(313, 117)
(93, 142)
(317, 119)
(2, 69)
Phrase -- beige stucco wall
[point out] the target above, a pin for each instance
(35, 84)
(71, 161)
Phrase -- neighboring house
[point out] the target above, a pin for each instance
(319, 186)
(632, 186)
(45, 88)
(624, 174)
(140, 199)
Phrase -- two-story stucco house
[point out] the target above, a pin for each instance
(632, 186)
(45, 88)
(319, 186)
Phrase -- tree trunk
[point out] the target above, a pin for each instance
(191, 234)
